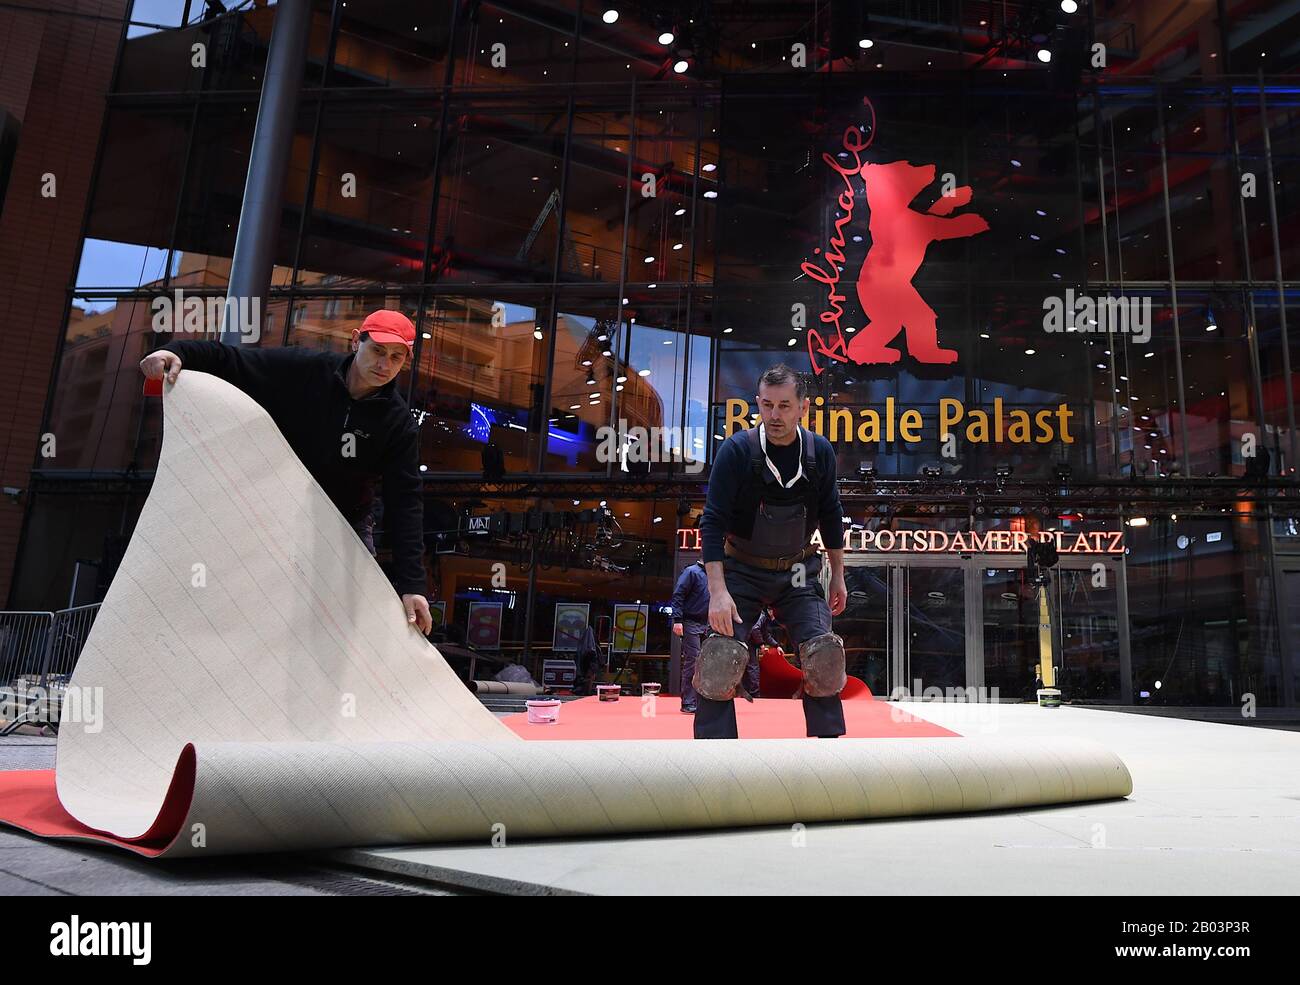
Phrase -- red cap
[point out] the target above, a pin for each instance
(386, 325)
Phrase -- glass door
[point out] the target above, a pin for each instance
(1087, 631)
(867, 625)
(934, 644)
(1011, 645)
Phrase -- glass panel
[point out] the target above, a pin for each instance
(1290, 590)
(1221, 404)
(1268, 320)
(653, 392)
(327, 324)
(566, 577)
(537, 48)
(1087, 627)
(659, 225)
(1011, 647)
(864, 625)
(936, 628)
(214, 194)
(589, 365)
(1131, 131)
(479, 381)
(375, 48)
(374, 186)
(597, 196)
(1197, 614)
(498, 198)
(234, 48)
(99, 418)
(134, 205)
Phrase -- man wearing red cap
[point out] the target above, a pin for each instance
(344, 418)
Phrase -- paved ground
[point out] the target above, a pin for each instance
(31, 866)
(1214, 810)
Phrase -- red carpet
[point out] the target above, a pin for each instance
(28, 799)
(766, 718)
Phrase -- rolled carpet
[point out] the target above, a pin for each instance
(251, 685)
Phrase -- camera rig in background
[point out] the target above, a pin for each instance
(549, 538)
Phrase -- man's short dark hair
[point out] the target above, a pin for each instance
(780, 375)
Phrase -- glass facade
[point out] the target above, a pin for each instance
(585, 236)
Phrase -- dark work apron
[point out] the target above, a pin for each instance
(780, 530)
(781, 519)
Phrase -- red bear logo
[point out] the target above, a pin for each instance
(899, 239)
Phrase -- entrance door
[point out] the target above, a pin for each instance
(973, 622)
(905, 626)
(934, 647)
(1010, 630)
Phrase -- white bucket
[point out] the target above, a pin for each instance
(543, 711)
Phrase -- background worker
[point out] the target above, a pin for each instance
(345, 420)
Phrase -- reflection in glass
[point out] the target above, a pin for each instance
(1087, 622)
(479, 383)
(1011, 648)
(936, 628)
(864, 625)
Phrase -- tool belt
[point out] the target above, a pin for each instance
(770, 563)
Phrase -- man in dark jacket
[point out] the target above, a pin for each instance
(690, 622)
(343, 417)
(770, 489)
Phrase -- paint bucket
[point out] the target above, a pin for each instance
(650, 688)
(607, 692)
(1049, 697)
(543, 711)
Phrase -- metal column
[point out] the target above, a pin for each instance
(259, 215)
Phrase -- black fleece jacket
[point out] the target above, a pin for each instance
(306, 394)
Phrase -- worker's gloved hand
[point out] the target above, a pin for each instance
(417, 613)
(722, 613)
(160, 364)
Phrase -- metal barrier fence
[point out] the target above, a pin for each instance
(38, 651)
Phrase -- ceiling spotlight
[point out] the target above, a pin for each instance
(610, 16)
(709, 167)
(1044, 55)
(537, 334)
(681, 65)
(680, 212)
(667, 37)
(865, 43)
(1069, 6)
(710, 194)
